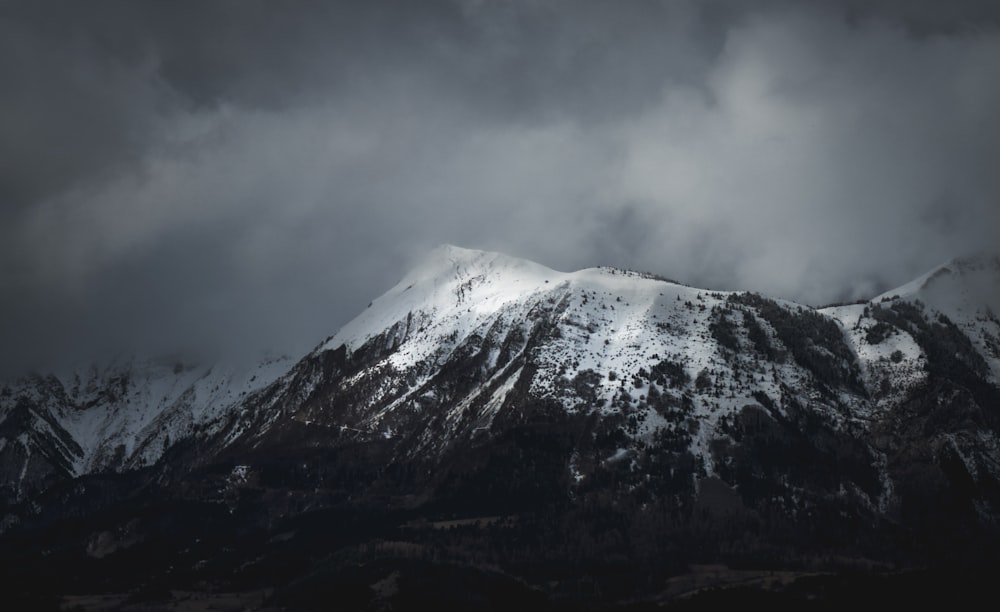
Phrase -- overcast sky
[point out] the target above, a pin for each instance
(239, 174)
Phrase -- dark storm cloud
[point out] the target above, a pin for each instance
(229, 174)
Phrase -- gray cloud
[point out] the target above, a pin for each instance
(241, 174)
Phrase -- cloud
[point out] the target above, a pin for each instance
(858, 149)
(256, 179)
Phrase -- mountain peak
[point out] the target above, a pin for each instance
(455, 252)
(448, 278)
(978, 261)
(959, 288)
(450, 254)
(447, 261)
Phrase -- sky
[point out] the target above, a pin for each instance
(227, 176)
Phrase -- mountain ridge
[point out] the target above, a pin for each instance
(569, 416)
(461, 289)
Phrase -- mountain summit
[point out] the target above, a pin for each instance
(590, 413)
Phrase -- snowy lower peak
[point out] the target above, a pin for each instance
(119, 415)
(470, 344)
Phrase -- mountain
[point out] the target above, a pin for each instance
(551, 435)
(113, 416)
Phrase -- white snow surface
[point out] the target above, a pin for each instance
(461, 285)
(126, 412)
(965, 290)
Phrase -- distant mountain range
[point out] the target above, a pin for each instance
(523, 436)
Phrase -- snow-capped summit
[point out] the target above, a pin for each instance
(447, 279)
(966, 291)
(598, 321)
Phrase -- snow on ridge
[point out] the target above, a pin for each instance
(447, 280)
(450, 280)
(128, 409)
(967, 291)
(972, 278)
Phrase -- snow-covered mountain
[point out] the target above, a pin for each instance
(114, 416)
(655, 375)
(488, 412)
(469, 336)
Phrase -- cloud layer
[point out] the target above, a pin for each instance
(231, 175)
